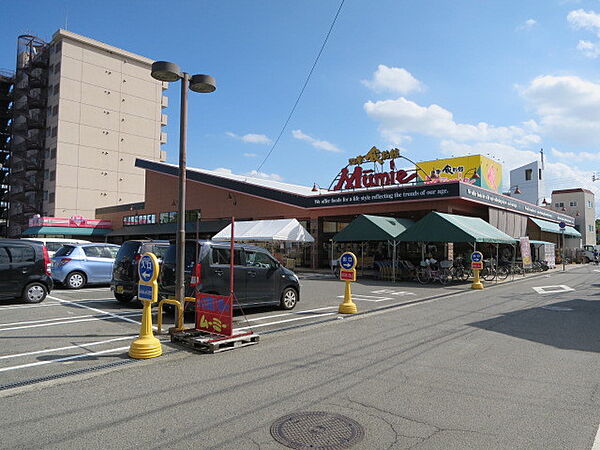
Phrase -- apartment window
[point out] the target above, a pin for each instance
(46, 176)
(49, 113)
(48, 131)
(539, 174)
(45, 195)
(589, 204)
(55, 110)
(57, 68)
(528, 174)
(53, 153)
(52, 175)
(54, 131)
(590, 227)
(572, 203)
(56, 89)
(57, 47)
(47, 154)
(51, 197)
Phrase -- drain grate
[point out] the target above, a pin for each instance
(4, 387)
(317, 429)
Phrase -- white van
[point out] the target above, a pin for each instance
(53, 244)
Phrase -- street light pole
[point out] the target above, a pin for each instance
(169, 72)
(180, 238)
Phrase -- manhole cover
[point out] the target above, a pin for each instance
(316, 429)
(557, 308)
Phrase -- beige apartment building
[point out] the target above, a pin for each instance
(96, 110)
(581, 204)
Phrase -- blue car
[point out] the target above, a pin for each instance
(76, 265)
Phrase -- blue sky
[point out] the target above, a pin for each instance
(434, 78)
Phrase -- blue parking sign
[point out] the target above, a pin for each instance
(476, 256)
(348, 261)
(146, 268)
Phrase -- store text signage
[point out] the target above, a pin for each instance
(502, 201)
(406, 193)
(375, 155)
(74, 221)
(360, 178)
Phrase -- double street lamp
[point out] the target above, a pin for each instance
(167, 71)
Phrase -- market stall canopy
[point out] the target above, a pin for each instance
(440, 227)
(551, 227)
(288, 230)
(373, 228)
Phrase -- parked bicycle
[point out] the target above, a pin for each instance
(429, 272)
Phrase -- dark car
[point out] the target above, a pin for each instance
(24, 270)
(125, 275)
(259, 279)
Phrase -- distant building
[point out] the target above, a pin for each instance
(82, 111)
(530, 181)
(579, 203)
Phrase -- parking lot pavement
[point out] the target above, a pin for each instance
(77, 330)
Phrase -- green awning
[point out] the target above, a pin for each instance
(373, 228)
(66, 231)
(552, 227)
(440, 227)
(541, 242)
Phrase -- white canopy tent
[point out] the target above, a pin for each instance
(279, 230)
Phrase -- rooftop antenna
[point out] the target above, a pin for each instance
(66, 17)
(542, 155)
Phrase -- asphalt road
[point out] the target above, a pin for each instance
(513, 366)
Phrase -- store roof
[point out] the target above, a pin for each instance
(67, 231)
(286, 230)
(373, 228)
(204, 227)
(440, 227)
(551, 227)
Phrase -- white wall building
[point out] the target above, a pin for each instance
(579, 203)
(530, 181)
(102, 111)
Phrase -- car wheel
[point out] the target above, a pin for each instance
(289, 298)
(123, 298)
(35, 293)
(75, 280)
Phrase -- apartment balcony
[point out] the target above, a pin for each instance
(38, 78)
(35, 139)
(36, 98)
(36, 118)
(40, 60)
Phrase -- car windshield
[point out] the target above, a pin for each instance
(65, 250)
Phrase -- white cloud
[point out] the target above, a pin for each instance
(250, 155)
(589, 49)
(393, 79)
(250, 138)
(568, 106)
(573, 156)
(586, 20)
(264, 176)
(398, 118)
(323, 145)
(527, 25)
(252, 173)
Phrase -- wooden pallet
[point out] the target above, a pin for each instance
(210, 343)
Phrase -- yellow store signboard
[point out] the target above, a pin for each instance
(475, 169)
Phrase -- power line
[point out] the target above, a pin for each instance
(303, 87)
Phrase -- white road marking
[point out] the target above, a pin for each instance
(284, 321)
(392, 292)
(596, 270)
(94, 309)
(552, 289)
(47, 304)
(256, 319)
(70, 347)
(56, 319)
(48, 324)
(596, 445)
(68, 358)
(367, 298)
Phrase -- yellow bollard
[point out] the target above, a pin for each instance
(348, 306)
(477, 284)
(146, 346)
